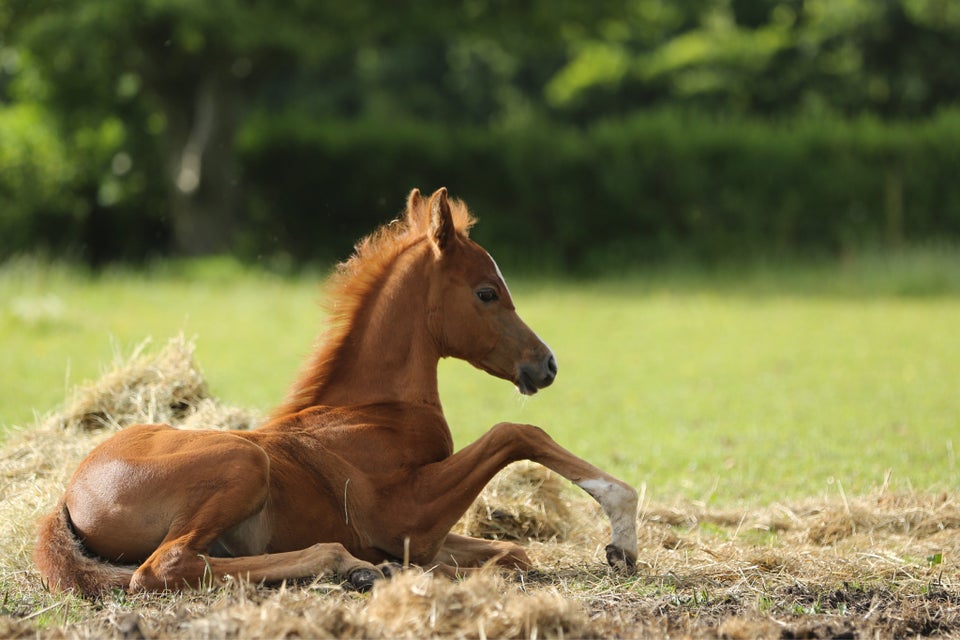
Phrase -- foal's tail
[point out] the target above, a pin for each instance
(64, 564)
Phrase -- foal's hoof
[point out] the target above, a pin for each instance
(362, 579)
(390, 569)
(619, 560)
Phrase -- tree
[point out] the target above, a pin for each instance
(766, 56)
(178, 76)
(148, 97)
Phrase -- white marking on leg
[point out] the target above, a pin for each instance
(619, 502)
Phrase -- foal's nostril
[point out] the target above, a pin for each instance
(551, 366)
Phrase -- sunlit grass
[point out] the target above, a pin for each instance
(252, 329)
(751, 385)
(716, 397)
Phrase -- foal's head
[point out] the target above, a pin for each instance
(470, 312)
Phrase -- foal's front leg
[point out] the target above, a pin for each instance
(446, 489)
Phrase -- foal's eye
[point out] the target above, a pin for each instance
(487, 295)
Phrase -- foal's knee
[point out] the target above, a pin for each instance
(515, 433)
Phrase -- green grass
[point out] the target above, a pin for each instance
(60, 327)
(755, 384)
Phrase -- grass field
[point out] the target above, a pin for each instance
(740, 385)
(792, 432)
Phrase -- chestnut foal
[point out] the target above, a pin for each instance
(357, 467)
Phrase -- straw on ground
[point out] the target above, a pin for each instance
(879, 564)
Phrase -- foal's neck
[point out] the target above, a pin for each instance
(387, 354)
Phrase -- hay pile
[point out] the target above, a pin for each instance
(35, 463)
(882, 564)
(163, 387)
(523, 502)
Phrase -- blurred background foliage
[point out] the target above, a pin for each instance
(586, 135)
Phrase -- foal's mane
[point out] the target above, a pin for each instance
(354, 282)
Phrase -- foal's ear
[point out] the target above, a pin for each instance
(414, 203)
(441, 220)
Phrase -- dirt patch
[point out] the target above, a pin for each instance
(882, 564)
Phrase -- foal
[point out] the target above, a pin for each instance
(357, 467)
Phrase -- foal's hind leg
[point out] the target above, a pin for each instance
(181, 560)
(223, 502)
(448, 487)
(459, 552)
(176, 565)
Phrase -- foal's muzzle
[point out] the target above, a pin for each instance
(533, 376)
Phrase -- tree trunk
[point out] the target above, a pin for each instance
(202, 169)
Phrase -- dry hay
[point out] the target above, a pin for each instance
(523, 502)
(163, 387)
(35, 463)
(877, 565)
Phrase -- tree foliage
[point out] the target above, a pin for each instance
(134, 109)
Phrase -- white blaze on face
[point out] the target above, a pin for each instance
(500, 275)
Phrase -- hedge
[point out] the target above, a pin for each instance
(652, 187)
(656, 186)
